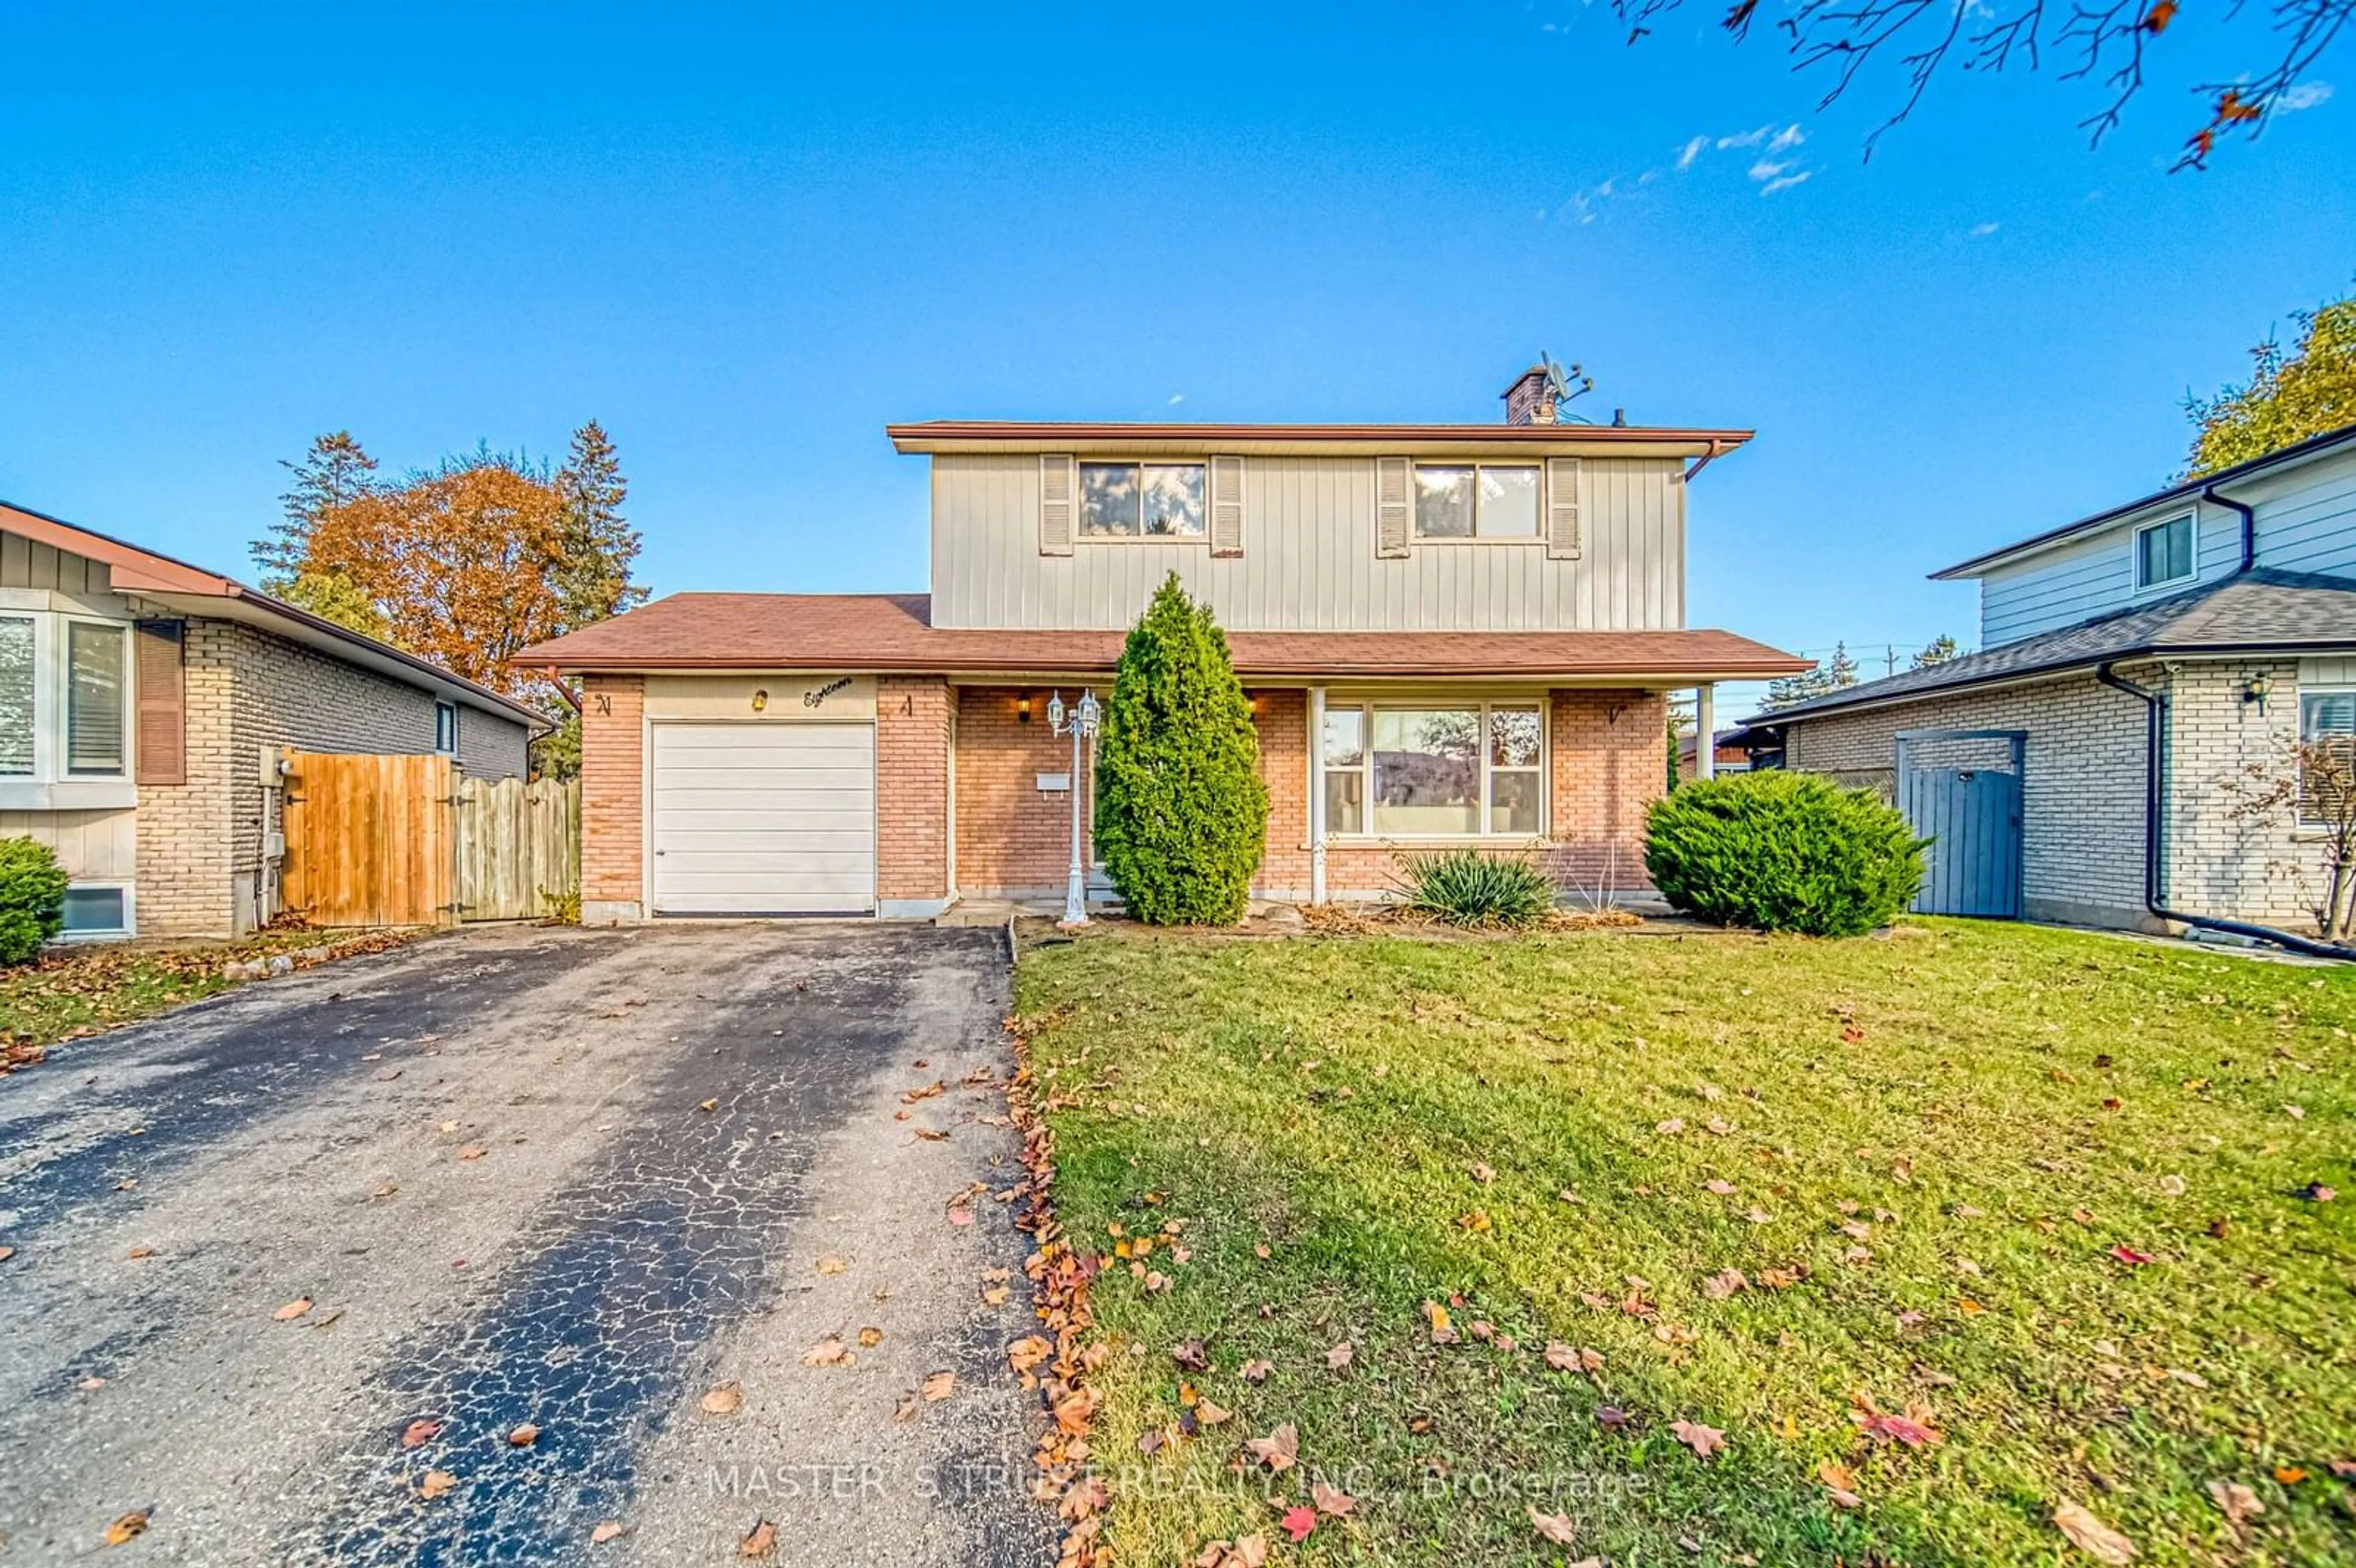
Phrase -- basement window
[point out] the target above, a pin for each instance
(92, 910)
(2163, 554)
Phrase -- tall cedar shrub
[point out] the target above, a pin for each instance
(1782, 851)
(32, 898)
(1182, 815)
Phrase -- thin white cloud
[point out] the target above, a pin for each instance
(1744, 139)
(1785, 182)
(1693, 149)
(1766, 169)
(1176, 398)
(2304, 95)
(1790, 136)
(1982, 230)
(1775, 166)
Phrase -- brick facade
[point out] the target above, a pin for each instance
(200, 866)
(2083, 781)
(915, 716)
(1013, 839)
(613, 798)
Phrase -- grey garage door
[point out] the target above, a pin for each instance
(761, 819)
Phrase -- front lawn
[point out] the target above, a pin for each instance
(1941, 1232)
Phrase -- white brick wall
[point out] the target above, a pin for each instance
(2083, 789)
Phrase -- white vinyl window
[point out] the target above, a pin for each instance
(1435, 770)
(65, 699)
(2163, 553)
(1142, 500)
(1477, 501)
(2327, 725)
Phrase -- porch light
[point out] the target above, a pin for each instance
(761, 701)
(2260, 686)
(1023, 708)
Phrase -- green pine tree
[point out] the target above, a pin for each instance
(333, 471)
(1182, 814)
(592, 579)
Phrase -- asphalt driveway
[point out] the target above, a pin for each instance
(563, 1179)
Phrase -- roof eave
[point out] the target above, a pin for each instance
(940, 437)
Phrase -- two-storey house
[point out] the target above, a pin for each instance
(2146, 678)
(1450, 635)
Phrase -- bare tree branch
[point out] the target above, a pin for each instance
(2103, 41)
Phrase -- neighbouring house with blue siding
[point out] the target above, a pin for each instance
(2143, 673)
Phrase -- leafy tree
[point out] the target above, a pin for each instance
(334, 596)
(2107, 42)
(2289, 397)
(1181, 812)
(1829, 676)
(1938, 650)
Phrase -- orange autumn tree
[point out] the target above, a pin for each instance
(462, 565)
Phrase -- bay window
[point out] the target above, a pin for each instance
(1434, 770)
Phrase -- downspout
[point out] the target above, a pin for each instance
(2108, 675)
(1717, 449)
(2249, 517)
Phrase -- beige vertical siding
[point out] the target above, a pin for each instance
(92, 846)
(1308, 561)
(25, 564)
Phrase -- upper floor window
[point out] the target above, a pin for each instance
(1476, 500)
(1142, 500)
(446, 727)
(2163, 553)
(65, 698)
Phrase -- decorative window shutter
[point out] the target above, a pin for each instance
(1058, 486)
(1226, 506)
(163, 716)
(1392, 508)
(1564, 542)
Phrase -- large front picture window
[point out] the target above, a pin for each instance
(1435, 770)
(19, 710)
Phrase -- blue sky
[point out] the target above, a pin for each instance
(747, 240)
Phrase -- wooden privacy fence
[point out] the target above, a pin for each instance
(369, 839)
(404, 840)
(518, 846)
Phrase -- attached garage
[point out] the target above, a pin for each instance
(761, 817)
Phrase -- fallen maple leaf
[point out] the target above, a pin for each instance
(1331, 1500)
(1254, 1372)
(722, 1400)
(1482, 1173)
(830, 1352)
(1279, 1450)
(1028, 1352)
(1917, 1429)
(1723, 1284)
(472, 1153)
(2129, 1256)
(2239, 1502)
(1209, 1415)
(1722, 1189)
(1554, 1527)
(2092, 1536)
(293, 1309)
(1192, 1356)
(1443, 1333)
(1840, 1483)
(524, 1436)
(435, 1483)
(1703, 1440)
(130, 1524)
(420, 1431)
(1339, 1356)
(607, 1530)
(829, 1263)
(938, 1387)
(1299, 1522)
(759, 1542)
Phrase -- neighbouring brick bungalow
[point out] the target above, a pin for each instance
(1451, 634)
(2225, 606)
(138, 697)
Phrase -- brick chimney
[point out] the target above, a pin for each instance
(1526, 399)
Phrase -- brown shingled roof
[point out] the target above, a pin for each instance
(894, 632)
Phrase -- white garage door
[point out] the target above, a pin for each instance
(765, 819)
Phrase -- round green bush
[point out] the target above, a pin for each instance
(1782, 851)
(32, 898)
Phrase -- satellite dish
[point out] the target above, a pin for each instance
(1561, 387)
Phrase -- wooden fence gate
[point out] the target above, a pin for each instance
(404, 840)
(518, 846)
(369, 839)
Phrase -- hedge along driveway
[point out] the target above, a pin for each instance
(2046, 1193)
